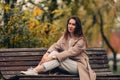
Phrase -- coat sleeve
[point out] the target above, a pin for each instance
(56, 46)
(73, 51)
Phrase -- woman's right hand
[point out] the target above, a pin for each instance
(45, 56)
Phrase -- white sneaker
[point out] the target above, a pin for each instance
(30, 71)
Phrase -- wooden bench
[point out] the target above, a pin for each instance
(12, 61)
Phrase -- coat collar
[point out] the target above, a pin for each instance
(73, 41)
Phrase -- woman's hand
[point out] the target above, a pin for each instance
(48, 58)
(45, 58)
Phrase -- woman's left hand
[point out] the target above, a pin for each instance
(48, 58)
(45, 59)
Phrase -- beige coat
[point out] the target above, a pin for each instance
(75, 49)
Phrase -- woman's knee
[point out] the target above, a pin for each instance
(50, 65)
(53, 53)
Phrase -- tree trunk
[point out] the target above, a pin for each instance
(107, 42)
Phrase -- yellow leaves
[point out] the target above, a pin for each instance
(33, 23)
(58, 12)
(26, 12)
(37, 22)
(23, 17)
(92, 6)
(37, 11)
(1, 5)
(7, 7)
(31, 20)
(12, 19)
(43, 28)
(31, 26)
(45, 41)
(88, 22)
(9, 22)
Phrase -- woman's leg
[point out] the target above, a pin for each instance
(67, 65)
(70, 66)
(48, 65)
(43, 67)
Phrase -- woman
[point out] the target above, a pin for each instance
(69, 50)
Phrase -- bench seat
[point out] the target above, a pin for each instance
(14, 60)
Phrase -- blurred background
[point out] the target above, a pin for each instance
(40, 23)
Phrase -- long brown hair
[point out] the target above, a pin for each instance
(78, 29)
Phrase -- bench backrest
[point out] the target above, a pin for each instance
(18, 59)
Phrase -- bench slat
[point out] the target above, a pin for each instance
(15, 68)
(21, 54)
(19, 63)
(30, 58)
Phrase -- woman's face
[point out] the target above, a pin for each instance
(71, 26)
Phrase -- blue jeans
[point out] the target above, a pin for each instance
(68, 65)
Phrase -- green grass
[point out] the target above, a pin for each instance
(118, 68)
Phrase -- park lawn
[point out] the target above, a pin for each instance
(118, 68)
